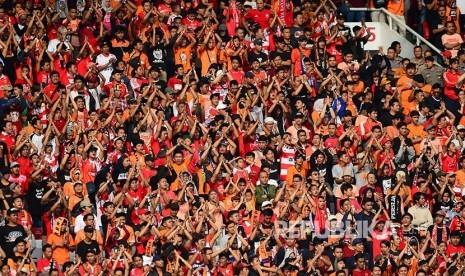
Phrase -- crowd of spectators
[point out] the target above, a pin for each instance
(196, 137)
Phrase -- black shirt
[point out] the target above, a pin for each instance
(34, 196)
(156, 54)
(261, 57)
(9, 235)
(83, 247)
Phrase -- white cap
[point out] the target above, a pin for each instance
(250, 3)
(266, 203)
(269, 120)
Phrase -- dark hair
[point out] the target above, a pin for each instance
(417, 196)
(341, 203)
(345, 187)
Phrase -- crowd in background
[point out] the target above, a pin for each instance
(196, 137)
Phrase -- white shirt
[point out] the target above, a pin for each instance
(37, 140)
(53, 45)
(102, 60)
(79, 223)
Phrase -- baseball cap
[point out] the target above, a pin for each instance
(269, 120)
(441, 213)
(157, 258)
(12, 211)
(266, 203)
(340, 15)
(384, 81)
(357, 241)
(222, 27)
(116, 71)
(85, 203)
(440, 173)
(13, 186)
(77, 183)
(428, 127)
(14, 164)
(332, 217)
(169, 90)
(89, 229)
(302, 38)
(249, 75)
(104, 43)
(299, 115)
(460, 127)
(143, 211)
(258, 42)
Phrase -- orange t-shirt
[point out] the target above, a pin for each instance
(404, 88)
(208, 57)
(183, 56)
(97, 236)
(296, 59)
(396, 7)
(179, 168)
(60, 254)
(417, 131)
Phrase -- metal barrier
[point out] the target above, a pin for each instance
(391, 17)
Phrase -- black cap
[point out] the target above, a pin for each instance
(115, 71)
(157, 258)
(357, 241)
(340, 15)
(89, 229)
(104, 43)
(249, 75)
(258, 42)
(262, 138)
(303, 38)
(299, 115)
(12, 211)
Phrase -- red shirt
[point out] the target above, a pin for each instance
(237, 75)
(49, 90)
(81, 65)
(364, 272)
(228, 270)
(9, 140)
(450, 79)
(119, 86)
(43, 265)
(43, 77)
(263, 17)
(331, 142)
(175, 83)
(191, 25)
(450, 163)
